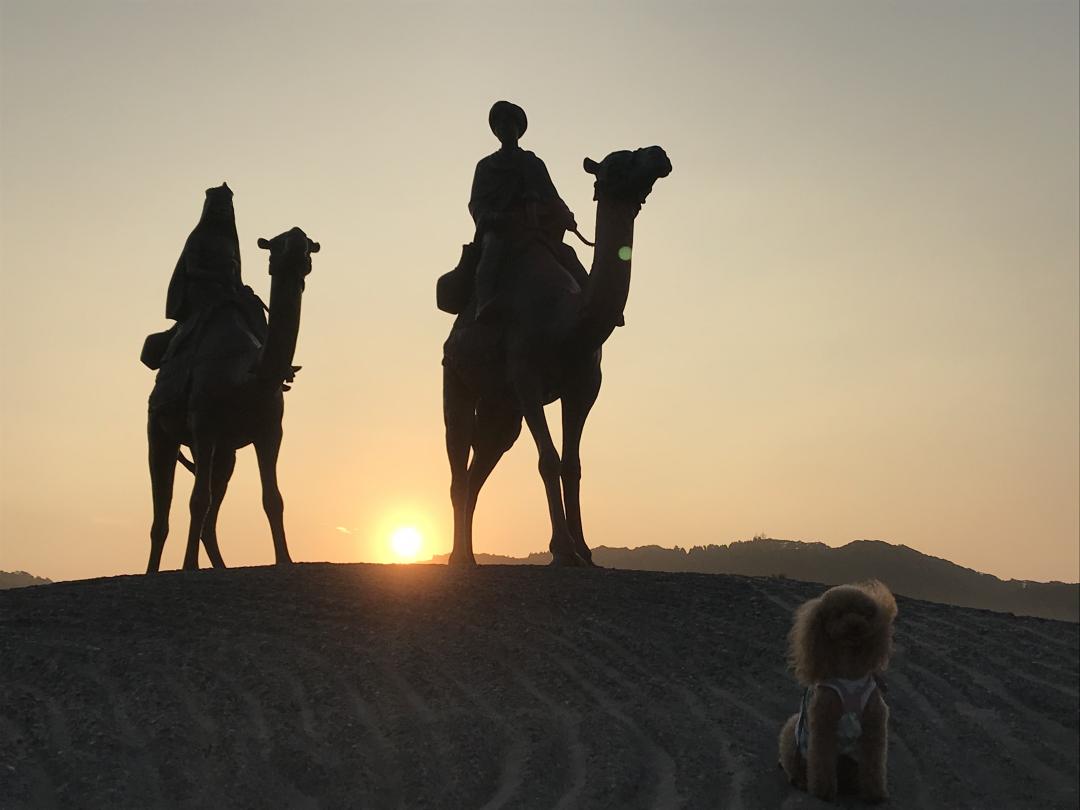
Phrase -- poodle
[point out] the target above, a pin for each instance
(839, 645)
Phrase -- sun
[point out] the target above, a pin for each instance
(406, 541)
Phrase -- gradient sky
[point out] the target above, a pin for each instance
(854, 310)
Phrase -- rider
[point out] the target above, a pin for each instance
(208, 269)
(207, 273)
(513, 196)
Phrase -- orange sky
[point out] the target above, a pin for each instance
(854, 311)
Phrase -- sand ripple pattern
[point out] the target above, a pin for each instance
(328, 686)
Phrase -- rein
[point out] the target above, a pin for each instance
(577, 233)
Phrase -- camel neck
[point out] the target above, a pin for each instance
(283, 327)
(609, 280)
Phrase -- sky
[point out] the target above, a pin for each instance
(854, 310)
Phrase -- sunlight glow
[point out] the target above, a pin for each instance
(406, 542)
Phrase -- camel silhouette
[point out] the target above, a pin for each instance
(230, 395)
(547, 346)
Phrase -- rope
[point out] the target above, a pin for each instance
(577, 233)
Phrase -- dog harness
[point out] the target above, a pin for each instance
(853, 696)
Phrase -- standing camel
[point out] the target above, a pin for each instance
(547, 347)
(230, 396)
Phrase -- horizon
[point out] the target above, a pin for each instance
(690, 549)
(440, 558)
(854, 309)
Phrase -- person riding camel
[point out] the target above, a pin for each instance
(209, 264)
(512, 199)
(206, 274)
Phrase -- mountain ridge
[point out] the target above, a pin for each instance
(905, 570)
(20, 579)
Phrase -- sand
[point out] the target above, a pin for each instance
(384, 686)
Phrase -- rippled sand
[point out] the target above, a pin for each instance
(385, 686)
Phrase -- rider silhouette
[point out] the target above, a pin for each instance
(208, 269)
(512, 198)
(206, 274)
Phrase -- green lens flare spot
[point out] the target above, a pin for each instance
(624, 253)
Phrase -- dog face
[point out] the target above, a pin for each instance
(845, 632)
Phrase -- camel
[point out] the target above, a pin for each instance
(546, 347)
(230, 396)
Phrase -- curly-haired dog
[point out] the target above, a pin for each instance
(839, 645)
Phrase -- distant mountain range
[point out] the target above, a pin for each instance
(20, 579)
(904, 570)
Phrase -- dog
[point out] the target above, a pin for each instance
(839, 646)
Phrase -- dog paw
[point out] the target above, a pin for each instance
(824, 791)
(874, 795)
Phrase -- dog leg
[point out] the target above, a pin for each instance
(824, 718)
(873, 750)
(790, 758)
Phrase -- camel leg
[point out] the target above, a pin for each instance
(224, 464)
(459, 417)
(498, 425)
(267, 448)
(162, 452)
(562, 543)
(203, 455)
(575, 410)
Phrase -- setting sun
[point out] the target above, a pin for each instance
(405, 542)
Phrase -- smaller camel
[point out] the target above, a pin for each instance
(230, 396)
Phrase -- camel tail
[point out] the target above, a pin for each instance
(188, 465)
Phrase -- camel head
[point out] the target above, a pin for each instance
(290, 252)
(628, 176)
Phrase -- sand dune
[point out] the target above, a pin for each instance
(369, 686)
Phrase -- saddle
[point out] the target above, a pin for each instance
(158, 347)
(175, 352)
(454, 290)
(155, 346)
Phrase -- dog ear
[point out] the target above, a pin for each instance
(883, 599)
(879, 645)
(808, 651)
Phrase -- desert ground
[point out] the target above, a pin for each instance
(421, 686)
